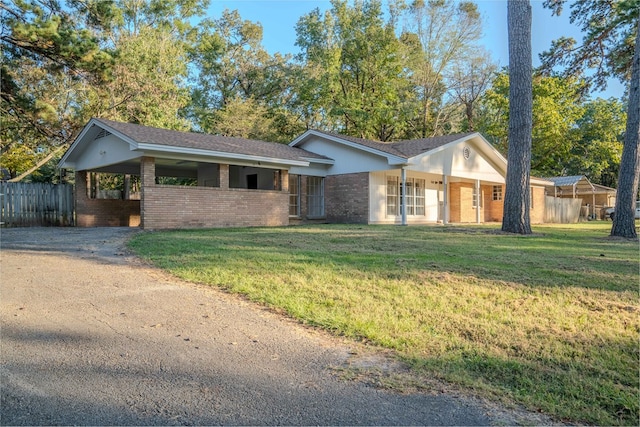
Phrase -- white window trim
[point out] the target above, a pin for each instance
(476, 197)
(410, 201)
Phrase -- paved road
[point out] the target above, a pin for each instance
(91, 336)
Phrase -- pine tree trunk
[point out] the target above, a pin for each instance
(516, 218)
(629, 173)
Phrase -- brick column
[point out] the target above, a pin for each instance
(147, 181)
(80, 196)
(224, 176)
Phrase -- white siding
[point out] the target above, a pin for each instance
(347, 159)
(431, 201)
(108, 150)
(451, 161)
(378, 198)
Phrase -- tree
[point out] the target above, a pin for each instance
(49, 53)
(63, 63)
(355, 70)
(610, 45)
(244, 118)
(517, 193)
(234, 73)
(598, 139)
(607, 48)
(445, 31)
(623, 221)
(557, 107)
(470, 78)
(148, 83)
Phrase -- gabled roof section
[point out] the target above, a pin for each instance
(168, 143)
(562, 181)
(402, 149)
(375, 147)
(603, 189)
(145, 135)
(414, 147)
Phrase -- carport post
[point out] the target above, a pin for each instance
(147, 179)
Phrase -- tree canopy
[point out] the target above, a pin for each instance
(380, 70)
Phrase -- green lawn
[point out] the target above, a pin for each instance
(550, 320)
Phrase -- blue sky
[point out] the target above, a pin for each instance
(279, 17)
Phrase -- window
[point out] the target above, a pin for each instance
(414, 197)
(477, 197)
(294, 195)
(409, 196)
(315, 196)
(497, 193)
(419, 187)
(392, 195)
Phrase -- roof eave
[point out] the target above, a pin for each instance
(321, 161)
(219, 154)
(391, 158)
(65, 158)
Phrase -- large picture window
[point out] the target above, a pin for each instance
(415, 196)
(294, 195)
(392, 195)
(419, 188)
(315, 196)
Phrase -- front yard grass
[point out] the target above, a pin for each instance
(550, 321)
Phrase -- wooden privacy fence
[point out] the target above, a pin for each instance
(562, 211)
(36, 204)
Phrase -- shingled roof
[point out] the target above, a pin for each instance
(191, 140)
(406, 148)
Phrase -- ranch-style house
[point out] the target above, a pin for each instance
(320, 176)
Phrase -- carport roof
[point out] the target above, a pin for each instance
(172, 138)
(165, 143)
(579, 183)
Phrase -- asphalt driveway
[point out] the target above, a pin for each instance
(92, 336)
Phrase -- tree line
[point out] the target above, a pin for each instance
(384, 71)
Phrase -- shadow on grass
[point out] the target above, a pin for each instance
(570, 389)
(557, 258)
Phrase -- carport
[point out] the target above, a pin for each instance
(594, 197)
(183, 179)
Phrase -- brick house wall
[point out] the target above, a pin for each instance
(347, 198)
(454, 201)
(536, 215)
(461, 202)
(493, 209)
(170, 206)
(103, 212)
